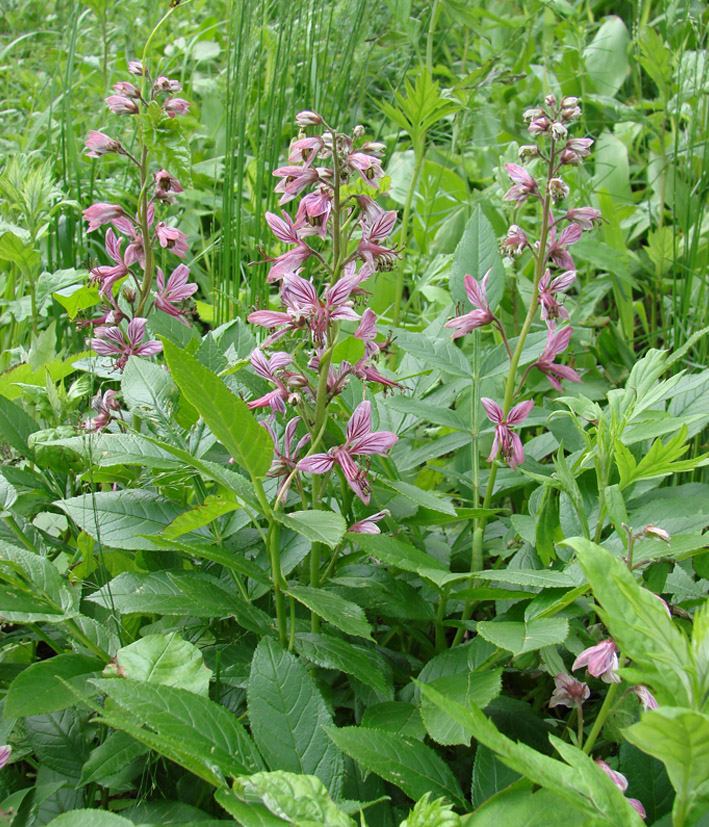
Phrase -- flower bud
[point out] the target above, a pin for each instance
(374, 148)
(129, 294)
(550, 100)
(308, 118)
(358, 131)
(569, 100)
(558, 189)
(135, 67)
(515, 242)
(528, 152)
(572, 113)
(657, 532)
(539, 126)
(570, 158)
(559, 132)
(532, 115)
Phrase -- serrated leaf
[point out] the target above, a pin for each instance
(317, 526)
(345, 615)
(409, 764)
(89, 818)
(520, 637)
(227, 416)
(230, 559)
(163, 659)
(41, 688)
(287, 715)
(478, 687)
(147, 385)
(395, 716)
(396, 552)
(16, 426)
(111, 756)
(333, 653)
(426, 499)
(58, 741)
(476, 253)
(213, 507)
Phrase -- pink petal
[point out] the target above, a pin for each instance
(520, 412)
(360, 422)
(493, 410)
(316, 463)
(377, 443)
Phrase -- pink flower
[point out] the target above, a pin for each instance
(5, 753)
(523, 187)
(506, 441)
(314, 211)
(568, 692)
(175, 291)
(622, 783)
(367, 332)
(285, 462)
(585, 217)
(108, 275)
(126, 89)
(305, 150)
(120, 105)
(176, 106)
(515, 242)
(369, 524)
(166, 186)
(102, 213)
(271, 369)
(295, 180)
(285, 230)
(360, 440)
(646, 698)
(111, 341)
(308, 118)
(99, 144)
(601, 661)
(551, 309)
(556, 248)
(376, 256)
(163, 84)
(105, 406)
(481, 316)
(368, 167)
(556, 344)
(539, 126)
(136, 68)
(172, 239)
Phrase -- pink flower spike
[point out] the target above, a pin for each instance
(368, 167)
(102, 213)
(568, 692)
(308, 118)
(135, 67)
(557, 247)
(172, 239)
(646, 698)
(557, 342)
(166, 186)
(5, 753)
(601, 661)
(369, 524)
(99, 144)
(506, 441)
(283, 228)
(551, 308)
(175, 291)
(523, 187)
(176, 106)
(295, 180)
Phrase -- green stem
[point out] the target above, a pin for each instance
(430, 36)
(17, 531)
(274, 554)
(404, 237)
(603, 713)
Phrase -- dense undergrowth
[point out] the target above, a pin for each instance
(353, 407)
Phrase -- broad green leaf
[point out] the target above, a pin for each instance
(490, 776)
(227, 416)
(334, 653)
(428, 813)
(253, 814)
(345, 615)
(22, 608)
(42, 585)
(395, 716)
(118, 518)
(111, 756)
(476, 253)
(478, 687)
(165, 659)
(16, 426)
(109, 450)
(213, 507)
(230, 559)
(680, 739)
(639, 624)
(409, 764)
(317, 526)
(427, 499)
(606, 57)
(661, 460)
(536, 579)
(299, 799)
(147, 385)
(187, 728)
(179, 593)
(14, 250)
(396, 553)
(647, 781)
(89, 818)
(518, 805)
(349, 350)
(436, 414)
(58, 739)
(519, 637)
(598, 798)
(77, 297)
(41, 687)
(287, 715)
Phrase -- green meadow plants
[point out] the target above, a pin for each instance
(361, 484)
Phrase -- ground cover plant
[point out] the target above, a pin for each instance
(353, 409)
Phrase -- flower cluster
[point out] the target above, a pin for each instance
(335, 240)
(554, 267)
(134, 240)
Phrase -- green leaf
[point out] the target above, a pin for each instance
(118, 518)
(230, 559)
(606, 57)
(396, 553)
(346, 616)
(226, 415)
(405, 762)
(213, 507)
(490, 776)
(436, 414)
(476, 253)
(179, 593)
(40, 586)
(287, 715)
(77, 297)
(647, 781)
(333, 653)
(165, 659)
(187, 728)
(110, 757)
(478, 687)
(534, 578)
(317, 526)
(41, 687)
(89, 818)
(348, 350)
(395, 716)
(16, 426)
(15, 251)
(147, 385)
(110, 450)
(253, 814)
(299, 799)
(638, 623)
(661, 460)
(59, 741)
(520, 637)
(680, 739)
(518, 805)
(547, 528)
(427, 499)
